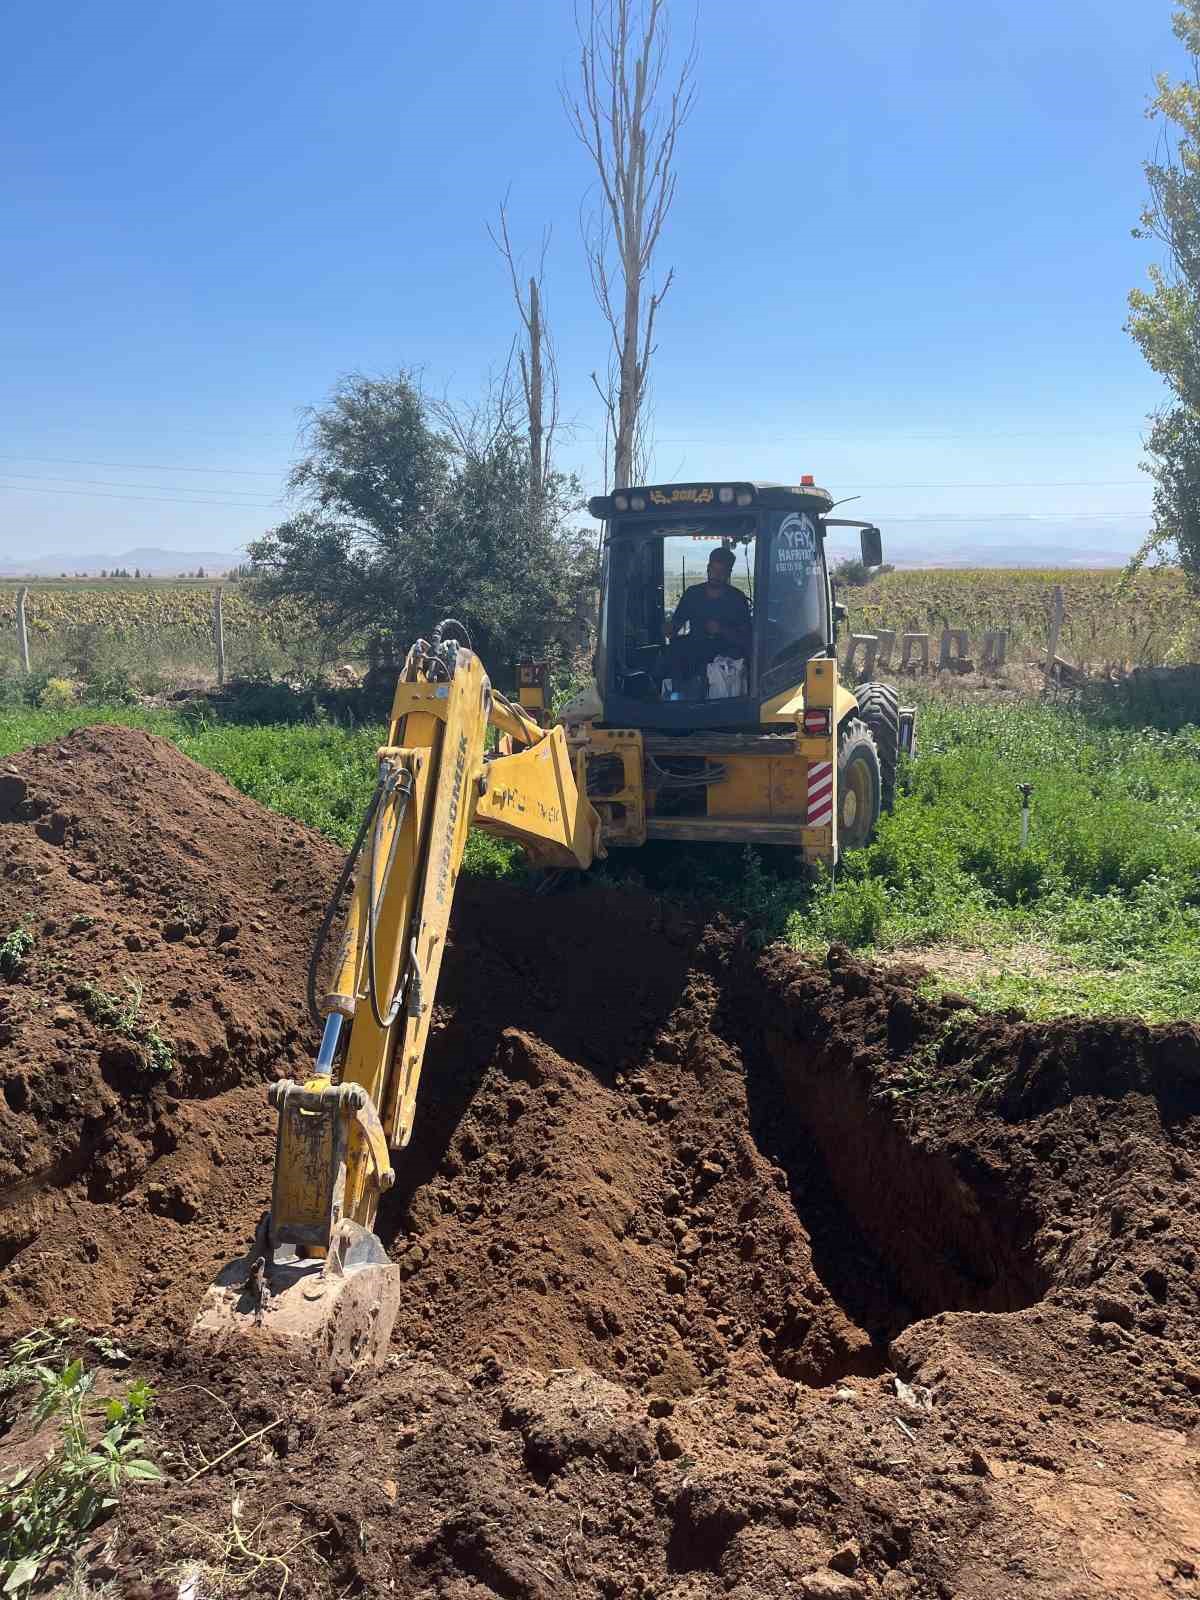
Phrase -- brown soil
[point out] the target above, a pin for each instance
(725, 1272)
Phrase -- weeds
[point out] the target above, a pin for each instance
(33, 1350)
(124, 1016)
(918, 1072)
(14, 949)
(48, 1508)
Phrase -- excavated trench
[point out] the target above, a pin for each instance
(678, 1185)
(671, 1225)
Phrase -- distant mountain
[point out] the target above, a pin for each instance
(151, 563)
(1001, 542)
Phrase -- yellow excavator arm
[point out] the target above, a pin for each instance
(317, 1271)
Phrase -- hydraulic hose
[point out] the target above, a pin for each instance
(389, 783)
(439, 633)
(335, 900)
(400, 783)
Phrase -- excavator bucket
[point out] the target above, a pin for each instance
(313, 1275)
(342, 1309)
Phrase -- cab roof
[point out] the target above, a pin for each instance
(687, 498)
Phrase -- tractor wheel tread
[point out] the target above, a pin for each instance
(856, 746)
(879, 708)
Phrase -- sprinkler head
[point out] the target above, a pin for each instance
(1026, 790)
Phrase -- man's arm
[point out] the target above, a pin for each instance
(736, 627)
(683, 612)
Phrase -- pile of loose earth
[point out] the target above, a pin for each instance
(161, 926)
(725, 1272)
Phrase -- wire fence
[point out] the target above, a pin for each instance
(207, 634)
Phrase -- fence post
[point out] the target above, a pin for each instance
(219, 632)
(1056, 622)
(910, 642)
(22, 630)
(869, 645)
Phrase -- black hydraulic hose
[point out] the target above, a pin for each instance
(439, 632)
(400, 783)
(335, 900)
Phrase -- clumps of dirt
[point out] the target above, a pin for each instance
(169, 922)
(726, 1272)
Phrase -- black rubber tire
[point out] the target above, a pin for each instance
(859, 786)
(879, 708)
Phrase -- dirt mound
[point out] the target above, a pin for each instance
(171, 922)
(725, 1272)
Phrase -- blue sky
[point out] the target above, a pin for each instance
(901, 241)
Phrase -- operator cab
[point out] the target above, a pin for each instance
(657, 545)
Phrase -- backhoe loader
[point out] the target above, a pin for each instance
(686, 741)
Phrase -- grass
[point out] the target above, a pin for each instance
(124, 1016)
(1108, 885)
(1098, 914)
(47, 1508)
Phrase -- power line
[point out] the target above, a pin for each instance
(1035, 517)
(169, 488)
(1012, 483)
(801, 438)
(101, 494)
(139, 466)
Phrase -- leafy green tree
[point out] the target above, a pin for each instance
(1165, 319)
(410, 512)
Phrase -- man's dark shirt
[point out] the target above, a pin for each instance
(728, 606)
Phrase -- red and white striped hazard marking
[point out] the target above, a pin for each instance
(820, 793)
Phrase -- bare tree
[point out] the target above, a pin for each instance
(537, 362)
(628, 121)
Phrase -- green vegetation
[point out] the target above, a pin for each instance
(124, 1016)
(1107, 889)
(408, 511)
(14, 948)
(1163, 320)
(47, 1508)
(1111, 617)
(1100, 913)
(138, 635)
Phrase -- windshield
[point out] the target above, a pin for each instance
(795, 623)
(671, 634)
(681, 623)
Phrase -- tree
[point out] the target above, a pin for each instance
(1165, 319)
(411, 511)
(537, 362)
(629, 123)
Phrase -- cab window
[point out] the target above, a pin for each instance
(796, 626)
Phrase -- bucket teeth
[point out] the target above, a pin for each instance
(342, 1308)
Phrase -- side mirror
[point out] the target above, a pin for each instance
(839, 614)
(872, 547)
